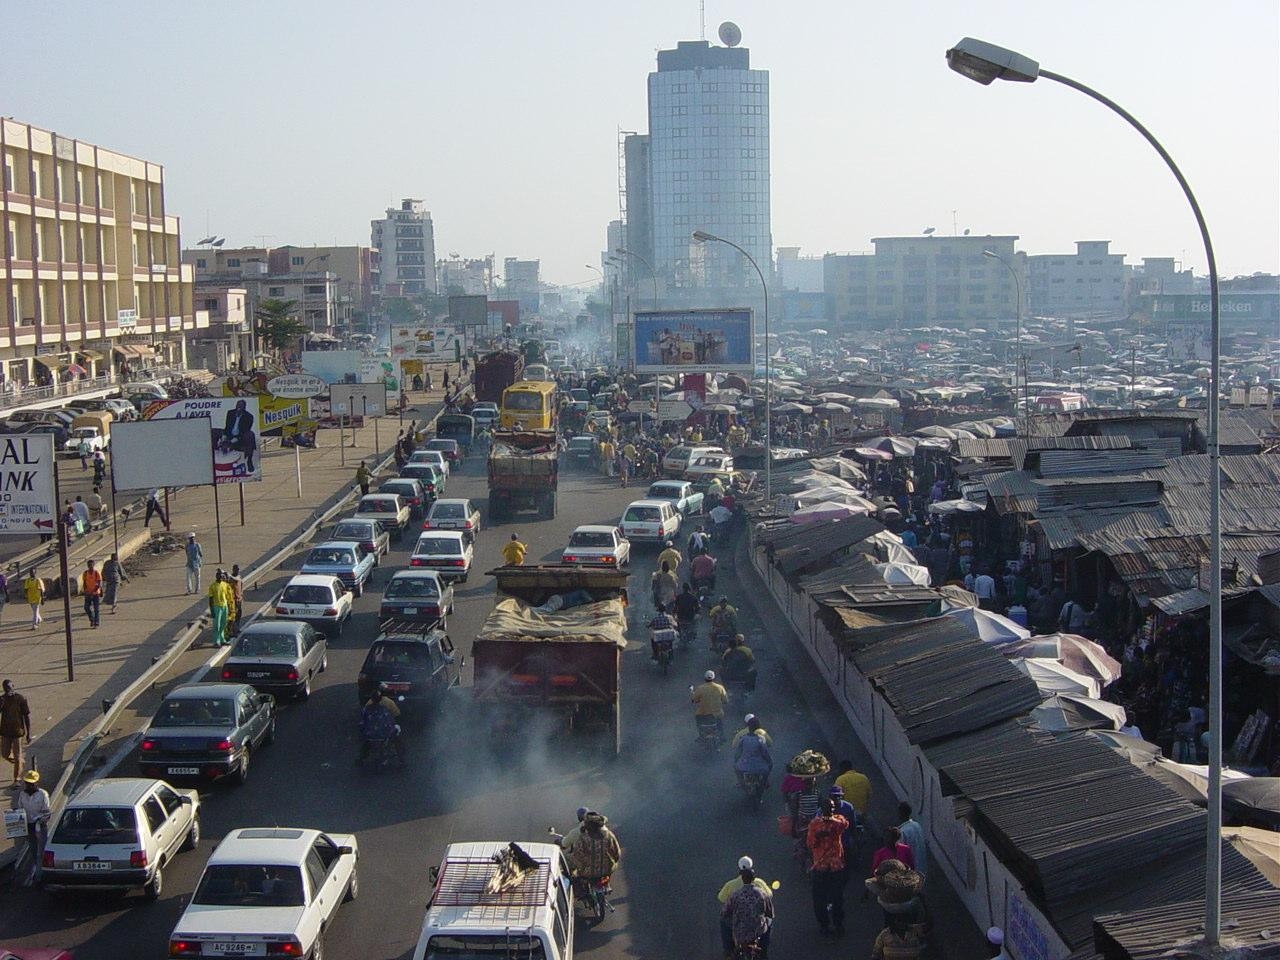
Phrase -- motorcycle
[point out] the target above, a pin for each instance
(753, 786)
(590, 893)
(688, 631)
(709, 736)
(663, 642)
(720, 637)
(703, 587)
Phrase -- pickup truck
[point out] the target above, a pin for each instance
(536, 655)
(686, 500)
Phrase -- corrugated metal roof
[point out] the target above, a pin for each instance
(1014, 492)
(1169, 930)
(1061, 530)
(1069, 463)
(817, 542)
(984, 448)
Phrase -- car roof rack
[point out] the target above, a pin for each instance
(401, 626)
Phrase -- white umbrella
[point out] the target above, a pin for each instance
(792, 407)
(903, 573)
(830, 406)
(896, 446)
(933, 443)
(887, 403)
(1067, 712)
(976, 428)
(718, 408)
(948, 507)
(871, 453)
(1052, 677)
(832, 495)
(990, 627)
(837, 396)
(822, 512)
(1079, 653)
(814, 479)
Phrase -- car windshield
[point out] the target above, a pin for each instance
(353, 531)
(401, 487)
(663, 492)
(393, 652)
(523, 400)
(430, 455)
(713, 462)
(481, 947)
(436, 546)
(641, 514)
(330, 555)
(590, 538)
(581, 443)
(377, 506)
(250, 885)
(448, 511)
(266, 645)
(411, 588)
(193, 712)
(307, 593)
(441, 446)
(97, 825)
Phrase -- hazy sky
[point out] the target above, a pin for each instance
(302, 119)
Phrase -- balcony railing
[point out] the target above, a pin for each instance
(26, 396)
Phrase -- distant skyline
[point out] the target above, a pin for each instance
(301, 120)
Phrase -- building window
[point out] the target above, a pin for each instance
(679, 110)
(709, 108)
(710, 87)
(884, 274)
(298, 261)
(679, 131)
(201, 263)
(9, 179)
(275, 291)
(711, 131)
(710, 174)
(233, 261)
(711, 153)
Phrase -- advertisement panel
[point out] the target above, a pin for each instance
(692, 341)
(234, 427)
(422, 343)
(295, 386)
(469, 311)
(278, 410)
(1189, 340)
(378, 369)
(26, 484)
(160, 453)
(622, 344)
(358, 399)
(332, 366)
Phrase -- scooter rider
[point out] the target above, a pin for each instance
(724, 618)
(709, 700)
(686, 608)
(752, 725)
(660, 622)
(378, 722)
(702, 572)
(751, 755)
(747, 915)
(738, 665)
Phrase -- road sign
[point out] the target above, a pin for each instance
(296, 386)
(358, 399)
(674, 410)
(27, 501)
(640, 406)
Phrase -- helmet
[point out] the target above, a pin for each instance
(745, 863)
(709, 675)
(836, 791)
(669, 543)
(724, 601)
(582, 812)
(748, 718)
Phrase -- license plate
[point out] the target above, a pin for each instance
(183, 771)
(410, 610)
(91, 866)
(222, 948)
(258, 674)
(397, 687)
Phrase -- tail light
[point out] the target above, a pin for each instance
(457, 563)
(362, 677)
(662, 531)
(371, 546)
(431, 486)
(291, 675)
(221, 746)
(426, 524)
(149, 746)
(184, 948)
(568, 559)
(330, 611)
(282, 610)
(227, 673)
(284, 948)
(46, 861)
(608, 559)
(468, 525)
(137, 858)
(525, 679)
(564, 680)
(417, 562)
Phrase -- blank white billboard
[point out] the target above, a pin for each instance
(358, 399)
(161, 453)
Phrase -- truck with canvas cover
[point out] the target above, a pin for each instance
(495, 372)
(552, 649)
(524, 470)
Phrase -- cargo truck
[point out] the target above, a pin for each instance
(494, 373)
(523, 473)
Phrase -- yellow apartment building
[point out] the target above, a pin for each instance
(90, 273)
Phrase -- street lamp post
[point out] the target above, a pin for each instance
(316, 259)
(621, 251)
(985, 62)
(1017, 286)
(701, 236)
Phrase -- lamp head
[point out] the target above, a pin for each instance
(990, 253)
(984, 62)
(702, 236)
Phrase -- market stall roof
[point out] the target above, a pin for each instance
(1067, 712)
(1051, 677)
(987, 626)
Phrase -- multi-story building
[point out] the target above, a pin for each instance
(914, 281)
(90, 273)
(470, 276)
(351, 266)
(1087, 283)
(521, 280)
(406, 243)
(803, 274)
(704, 165)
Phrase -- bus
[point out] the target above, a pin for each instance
(536, 371)
(529, 405)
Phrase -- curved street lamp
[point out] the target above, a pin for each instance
(1018, 359)
(985, 62)
(623, 252)
(701, 236)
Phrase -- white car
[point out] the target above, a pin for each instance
(434, 457)
(598, 545)
(453, 514)
(120, 834)
(447, 552)
(389, 509)
(268, 892)
(321, 600)
(651, 520)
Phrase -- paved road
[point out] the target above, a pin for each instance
(680, 818)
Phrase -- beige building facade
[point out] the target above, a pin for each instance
(90, 272)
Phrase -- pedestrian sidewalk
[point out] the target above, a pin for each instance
(154, 605)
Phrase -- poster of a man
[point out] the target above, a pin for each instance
(238, 435)
(233, 431)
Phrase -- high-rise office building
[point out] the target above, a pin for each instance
(704, 165)
(406, 243)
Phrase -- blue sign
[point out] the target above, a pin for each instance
(693, 341)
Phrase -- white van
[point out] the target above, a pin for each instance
(530, 918)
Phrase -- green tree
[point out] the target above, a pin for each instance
(278, 323)
(401, 312)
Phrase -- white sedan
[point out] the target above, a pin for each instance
(598, 545)
(268, 892)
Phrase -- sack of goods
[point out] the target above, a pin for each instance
(808, 763)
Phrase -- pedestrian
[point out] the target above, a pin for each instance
(33, 801)
(825, 840)
(97, 506)
(99, 467)
(82, 513)
(514, 551)
(154, 506)
(913, 836)
(893, 849)
(33, 590)
(237, 597)
(856, 786)
(446, 381)
(219, 606)
(363, 476)
(902, 939)
(91, 590)
(195, 556)
(4, 593)
(113, 575)
(15, 728)
(85, 450)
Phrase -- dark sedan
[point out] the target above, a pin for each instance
(207, 731)
(278, 656)
(413, 662)
(368, 533)
(411, 492)
(416, 595)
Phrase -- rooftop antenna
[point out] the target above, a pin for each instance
(702, 19)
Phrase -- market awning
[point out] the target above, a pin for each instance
(143, 351)
(93, 356)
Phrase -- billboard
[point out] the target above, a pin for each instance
(332, 366)
(234, 428)
(469, 311)
(1189, 340)
(277, 411)
(358, 399)
(692, 341)
(160, 453)
(422, 343)
(26, 484)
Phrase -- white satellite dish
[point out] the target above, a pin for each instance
(929, 231)
(730, 34)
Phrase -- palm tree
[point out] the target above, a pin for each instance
(278, 325)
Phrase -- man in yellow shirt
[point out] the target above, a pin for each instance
(671, 557)
(513, 553)
(856, 786)
(220, 606)
(709, 700)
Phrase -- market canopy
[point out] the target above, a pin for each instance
(827, 511)
(896, 446)
(948, 507)
(1065, 711)
(1079, 653)
(870, 453)
(1052, 677)
(990, 627)
(903, 573)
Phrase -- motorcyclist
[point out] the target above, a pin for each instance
(686, 608)
(595, 852)
(747, 915)
(724, 618)
(751, 755)
(739, 664)
(702, 571)
(709, 700)
(378, 722)
(699, 542)
(751, 724)
(671, 557)
(664, 585)
(660, 621)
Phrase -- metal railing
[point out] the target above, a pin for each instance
(26, 396)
